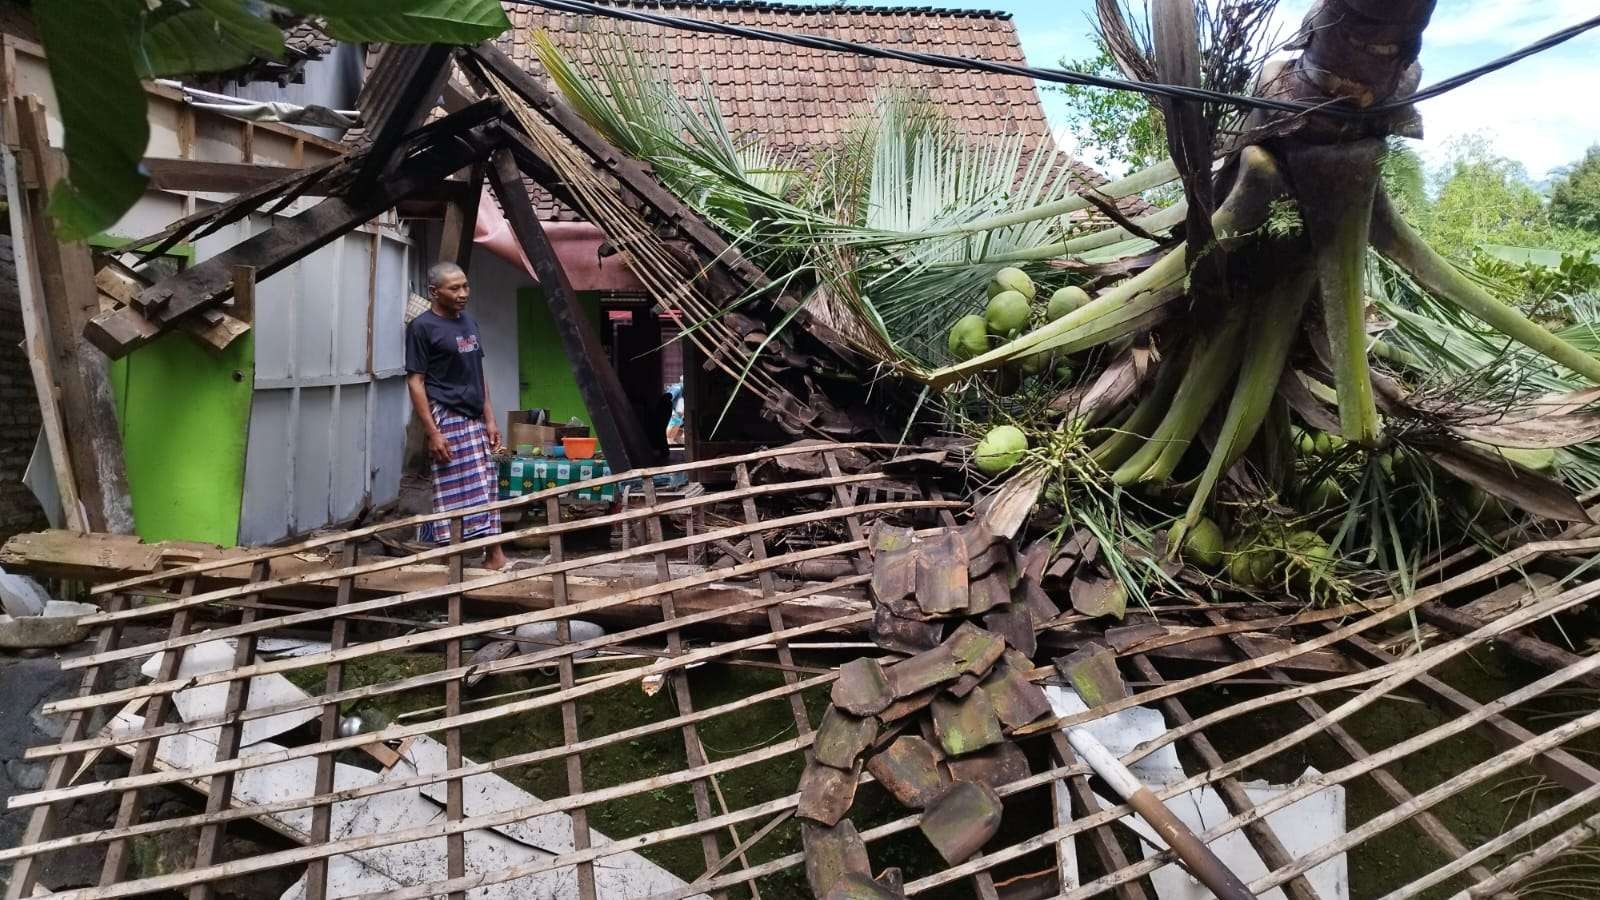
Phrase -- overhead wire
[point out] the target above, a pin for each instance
(1339, 108)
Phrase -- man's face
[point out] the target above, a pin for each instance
(452, 292)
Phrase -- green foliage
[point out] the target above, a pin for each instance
(1404, 177)
(1114, 129)
(99, 49)
(1575, 197)
(1481, 197)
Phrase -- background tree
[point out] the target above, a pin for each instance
(1115, 130)
(1575, 196)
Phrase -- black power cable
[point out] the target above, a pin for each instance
(1059, 76)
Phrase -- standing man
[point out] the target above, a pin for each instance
(444, 373)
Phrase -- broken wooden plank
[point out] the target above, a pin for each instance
(65, 278)
(211, 281)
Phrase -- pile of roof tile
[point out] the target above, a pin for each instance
(958, 611)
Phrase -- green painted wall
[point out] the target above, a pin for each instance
(543, 374)
(184, 417)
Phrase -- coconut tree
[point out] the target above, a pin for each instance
(1276, 305)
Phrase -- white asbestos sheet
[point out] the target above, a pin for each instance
(1302, 826)
(489, 850)
(212, 699)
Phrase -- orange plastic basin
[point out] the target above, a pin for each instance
(579, 448)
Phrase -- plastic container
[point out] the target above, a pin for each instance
(579, 447)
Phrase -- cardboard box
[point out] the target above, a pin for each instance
(518, 433)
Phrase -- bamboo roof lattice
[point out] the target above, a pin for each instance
(685, 751)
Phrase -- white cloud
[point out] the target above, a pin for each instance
(1500, 22)
(1538, 112)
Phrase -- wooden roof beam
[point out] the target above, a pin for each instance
(211, 281)
(615, 423)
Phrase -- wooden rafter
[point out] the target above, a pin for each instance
(211, 281)
(615, 422)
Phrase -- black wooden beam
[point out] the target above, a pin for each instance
(618, 428)
(238, 178)
(404, 87)
(211, 281)
(638, 180)
(461, 221)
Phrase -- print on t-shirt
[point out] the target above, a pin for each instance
(467, 343)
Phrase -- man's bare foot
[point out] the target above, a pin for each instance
(495, 559)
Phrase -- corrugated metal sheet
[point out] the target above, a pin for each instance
(327, 429)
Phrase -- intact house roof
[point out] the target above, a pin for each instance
(797, 98)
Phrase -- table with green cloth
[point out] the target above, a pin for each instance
(521, 475)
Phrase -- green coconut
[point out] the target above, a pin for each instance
(969, 337)
(1310, 557)
(1321, 495)
(1064, 301)
(1007, 312)
(1305, 441)
(1000, 449)
(1039, 362)
(1011, 279)
(1253, 566)
(1202, 544)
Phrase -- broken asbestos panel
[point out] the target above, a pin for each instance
(826, 793)
(966, 725)
(909, 770)
(841, 738)
(210, 701)
(862, 688)
(959, 823)
(833, 853)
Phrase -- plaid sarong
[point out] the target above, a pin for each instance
(467, 480)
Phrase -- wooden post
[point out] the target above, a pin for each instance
(70, 299)
(615, 424)
(40, 360)
(461, 222)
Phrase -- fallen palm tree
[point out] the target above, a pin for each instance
(1254, 363)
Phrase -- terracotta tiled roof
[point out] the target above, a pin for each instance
(796, 98)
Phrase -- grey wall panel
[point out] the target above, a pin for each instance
(395, 284)
(348, 489)
(312, 467)
(264, 515)
(351, 299)
(316, 279)
(390, 410)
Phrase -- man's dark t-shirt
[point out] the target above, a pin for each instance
(448, 353)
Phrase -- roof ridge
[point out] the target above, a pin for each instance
(799, 8)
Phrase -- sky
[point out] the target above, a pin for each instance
(1542, 112)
